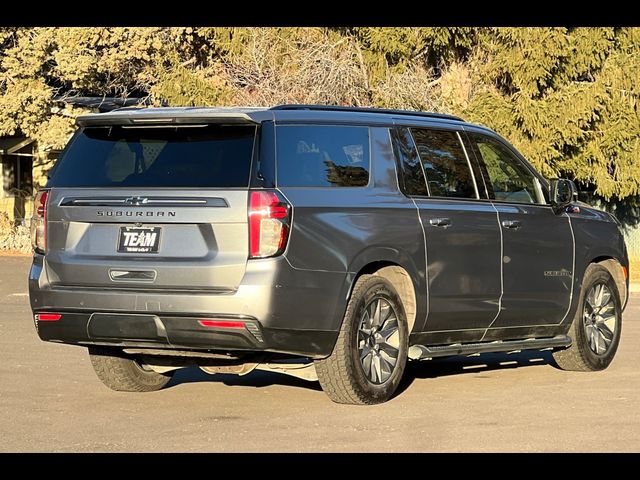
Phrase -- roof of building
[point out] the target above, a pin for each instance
(103, 104)
(11, 145)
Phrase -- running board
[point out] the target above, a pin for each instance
(420, 352)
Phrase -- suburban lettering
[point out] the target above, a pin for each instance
(118, 213)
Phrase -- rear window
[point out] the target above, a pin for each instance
(322, 156)
(199, 156)
(445, 163)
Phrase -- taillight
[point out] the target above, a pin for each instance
(269, 221)
(39, 222)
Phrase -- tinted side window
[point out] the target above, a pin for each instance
(412, 178)
(322, 156)
(445, 163)
(509, 180)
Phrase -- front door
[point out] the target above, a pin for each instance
(462, 240)
(538, 244)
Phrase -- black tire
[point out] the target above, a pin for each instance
(125, 374)
(580, 356)
(342, 374)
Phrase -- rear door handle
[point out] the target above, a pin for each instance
(440, 222)
(512, 224)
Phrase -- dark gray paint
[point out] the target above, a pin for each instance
(537, 265)
(463, 264)
(342, 230)
(300, 297)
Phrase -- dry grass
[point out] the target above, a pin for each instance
(309, 69)
(16, 239)
(415, 88)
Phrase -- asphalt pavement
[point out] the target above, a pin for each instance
(51, 401)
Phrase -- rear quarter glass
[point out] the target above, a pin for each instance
(322, 156)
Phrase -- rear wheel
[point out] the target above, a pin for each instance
(370, 355)
(596, 326)
(125, 374)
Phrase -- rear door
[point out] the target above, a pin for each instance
(151, 208)
(461, 233)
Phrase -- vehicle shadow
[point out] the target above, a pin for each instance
(459, 365)
(257, 379)
(440, 367)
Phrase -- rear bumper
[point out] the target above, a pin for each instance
(295, 311)
(180, 332)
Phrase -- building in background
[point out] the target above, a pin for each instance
(16, 166)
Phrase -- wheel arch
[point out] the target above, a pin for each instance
(615, 268)
(396, 267)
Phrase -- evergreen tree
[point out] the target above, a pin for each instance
(567, 98)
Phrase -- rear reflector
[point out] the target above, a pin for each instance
(48, 317)
(625, 272)
(221, 324)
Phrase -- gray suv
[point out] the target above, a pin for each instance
(328, 243)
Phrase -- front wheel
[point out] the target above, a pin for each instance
(596, 326)
(370, 355)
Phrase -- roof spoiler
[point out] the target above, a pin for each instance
(157, 119)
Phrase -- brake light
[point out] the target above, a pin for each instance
(625, 272)
(269, 222)
(39, 222)
(48, 317)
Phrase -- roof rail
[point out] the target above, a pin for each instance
(336, 108)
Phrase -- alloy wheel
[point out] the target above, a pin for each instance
(599, 318)
(378, 340)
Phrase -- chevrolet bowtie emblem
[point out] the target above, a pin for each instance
(136, 200)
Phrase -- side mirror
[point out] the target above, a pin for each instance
(563, 192)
